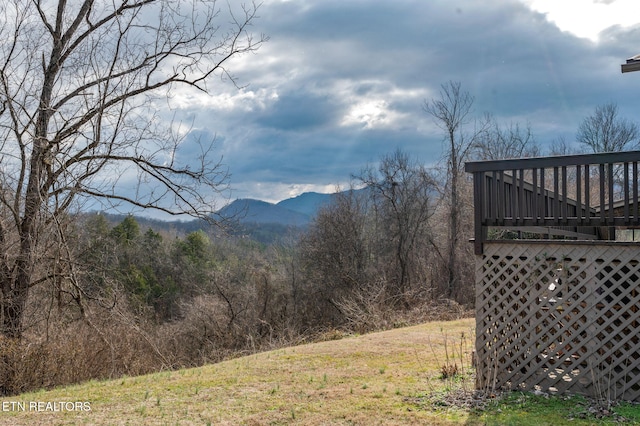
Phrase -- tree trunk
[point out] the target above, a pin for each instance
(453, 221)
(15, 287)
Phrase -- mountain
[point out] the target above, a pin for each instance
(247, 210)
(259, 220)
(296, 211)
(307, 203)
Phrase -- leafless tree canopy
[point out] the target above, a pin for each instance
(606, 131)
(403, 191)
(451, 112)
(79, 85)
(501, 142)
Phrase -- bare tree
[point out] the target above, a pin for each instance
(403, 191)
(560, 146)
(337, 254)
(501, 142)
(78, 84)
(606, 131)
(451, 112)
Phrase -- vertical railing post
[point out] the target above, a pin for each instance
(635, 193)
(627, 218)
(479, 205)
(534, 197)
(579, 214)
(612, 229)
(543, 201)
(602, 193)
(514, 197)
(587, 193)
(565, 207)
(556, 198)
(523, 202)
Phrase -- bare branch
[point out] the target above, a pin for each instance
(77, 78)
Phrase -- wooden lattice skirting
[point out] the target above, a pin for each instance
(559, 318)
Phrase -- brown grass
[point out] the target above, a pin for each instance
(369, 379)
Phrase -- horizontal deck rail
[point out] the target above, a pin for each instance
(576, 194)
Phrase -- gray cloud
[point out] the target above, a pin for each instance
(342, 83)
(299, 111)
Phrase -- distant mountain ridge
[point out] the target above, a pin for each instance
(262, 221)
(248, 210)
(307, 203)
(296, 211)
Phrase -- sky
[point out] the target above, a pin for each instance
(342, 83)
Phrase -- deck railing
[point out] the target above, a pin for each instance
(576, 195)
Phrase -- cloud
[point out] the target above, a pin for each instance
(587, 19)
(340, 84)
(298, 110)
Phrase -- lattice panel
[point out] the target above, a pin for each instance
(559, 318)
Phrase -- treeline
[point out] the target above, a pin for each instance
(138, 300)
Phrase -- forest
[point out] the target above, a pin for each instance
(137, 299)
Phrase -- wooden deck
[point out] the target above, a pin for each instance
(576, 196)
(558, 300)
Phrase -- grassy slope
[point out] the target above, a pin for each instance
(371, 379)
(347, 381)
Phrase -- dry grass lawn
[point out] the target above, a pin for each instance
(370, 379)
